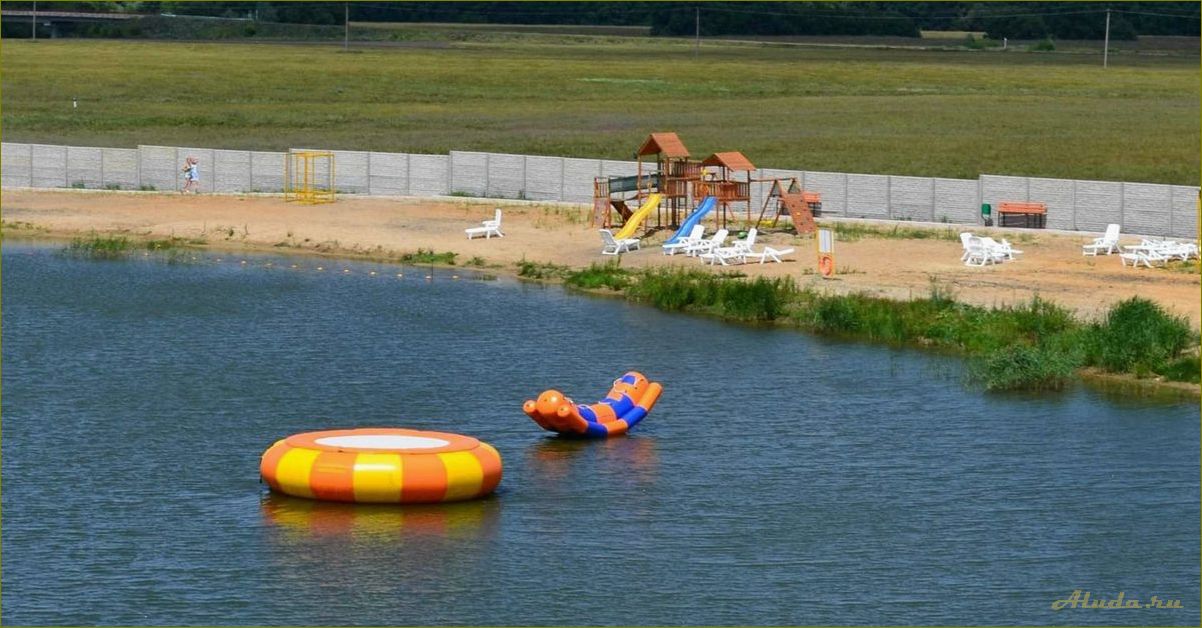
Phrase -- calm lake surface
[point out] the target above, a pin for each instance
(782, 479)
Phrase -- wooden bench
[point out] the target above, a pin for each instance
(1033, 215)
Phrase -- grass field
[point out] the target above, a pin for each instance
(932, 113)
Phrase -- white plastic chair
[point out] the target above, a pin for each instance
(706, 246)
(614, 246)
(736, 252)
(1108, 242)
(769, 253)
(488, 228)
(965, 239)
(1001, 251)
(685, 241)
(977, 253)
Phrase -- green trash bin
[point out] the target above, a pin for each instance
(987, 214)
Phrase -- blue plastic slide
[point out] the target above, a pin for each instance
(704, 208)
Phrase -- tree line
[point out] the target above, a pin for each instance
(1015, 20)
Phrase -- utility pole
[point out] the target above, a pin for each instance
(697, 33)
(35, 20)
(1106, 42)
(346, 20)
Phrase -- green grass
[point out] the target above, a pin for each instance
(427, 256)
(119, 247)
(541, 270)
(1036, 345)
(851, 232)
(608, 275)
(915, 112)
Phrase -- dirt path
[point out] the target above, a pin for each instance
(1051, 266)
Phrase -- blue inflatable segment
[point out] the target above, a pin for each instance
(707, 204)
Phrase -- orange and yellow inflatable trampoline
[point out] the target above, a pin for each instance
(381, 465)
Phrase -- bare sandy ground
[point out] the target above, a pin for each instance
(1051, 266)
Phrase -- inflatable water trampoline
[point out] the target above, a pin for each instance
(381, 465)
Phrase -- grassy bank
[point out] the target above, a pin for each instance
(1033, 346)
(916, 112)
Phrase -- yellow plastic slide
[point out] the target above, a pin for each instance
(638, 217)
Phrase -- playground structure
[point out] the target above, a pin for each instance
(683, 191)
(785, 196)
(309, 177)
(629, 400)
(725, 186)
(672, 174)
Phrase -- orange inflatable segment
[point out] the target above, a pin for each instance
(381, 465)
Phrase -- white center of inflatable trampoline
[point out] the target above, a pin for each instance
(382, 441)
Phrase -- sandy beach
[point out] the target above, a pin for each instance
(1051, 265)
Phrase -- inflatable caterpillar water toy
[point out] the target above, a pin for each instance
(630, 399)
(381, 465)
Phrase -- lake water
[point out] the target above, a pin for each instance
(782, 479)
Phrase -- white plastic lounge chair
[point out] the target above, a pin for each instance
(1001, 251)
(705, 246)
(1108, 242)
(977, 253)
(488, 228)
(736, 252)
(770, 253)
(1147, 258)
(965, 240)
(614, 246)
(695, 236)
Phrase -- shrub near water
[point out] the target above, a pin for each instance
(1139, 337)
(100, 247)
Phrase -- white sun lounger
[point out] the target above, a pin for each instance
(685, 241)
(705, 246)
(488, 228)
(1108, 242)
(770, 253)
(614, 246)
(736, 252)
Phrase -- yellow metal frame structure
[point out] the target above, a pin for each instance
(309, 177)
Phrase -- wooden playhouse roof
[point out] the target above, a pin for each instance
(733, 160)
(667, 143)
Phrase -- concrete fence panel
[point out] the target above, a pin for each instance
(350, 171)
(506, 175)
(833, 188)
(84, 167)
(544, 178)
(16, 164)
(868, 195)
(578, 175)
(956, 201)
(266, 171)
(1147, 208)
(49, 166)
(611, 168)
(912, 198)
(1099, 203)
(388, 174)
(469, 173)
(428, 175)
(158, 168)
(999, 189)
(1060, 199)
(1184, 216)
(120, 168)
(231, 171)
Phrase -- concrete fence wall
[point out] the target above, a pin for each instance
(1145, 208)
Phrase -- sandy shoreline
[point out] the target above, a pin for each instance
(385, 228)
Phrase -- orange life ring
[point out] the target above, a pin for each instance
(381, 465)
(826, 265)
